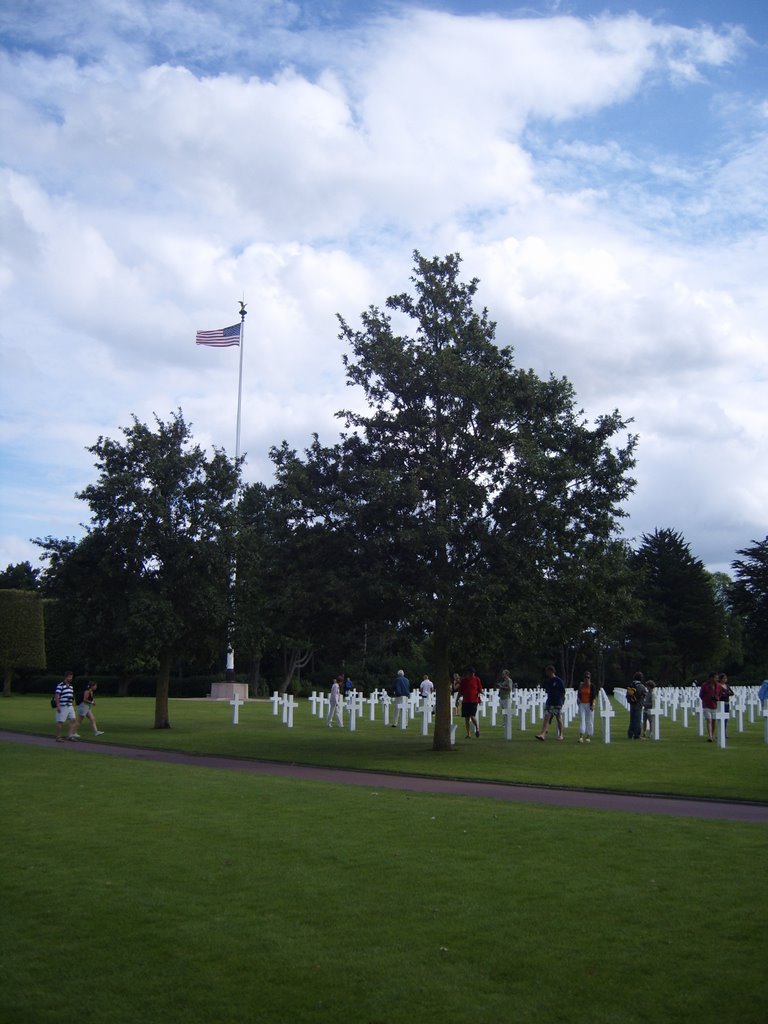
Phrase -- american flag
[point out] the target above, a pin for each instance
(222, 338)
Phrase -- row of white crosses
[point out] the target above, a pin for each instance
(527, 706)
(669, 700)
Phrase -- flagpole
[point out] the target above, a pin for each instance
(230, 671)
(243, 315)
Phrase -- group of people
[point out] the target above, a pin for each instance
(466, 691)
(64, 704)
(713, 690)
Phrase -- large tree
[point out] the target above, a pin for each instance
(19, 577)
(154, 566)
(463, 482)
(749, 595)
(681, 628)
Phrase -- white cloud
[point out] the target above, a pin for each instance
(145, 191)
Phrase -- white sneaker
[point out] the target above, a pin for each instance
(98, 732)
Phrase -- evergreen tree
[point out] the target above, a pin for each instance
(749, 595)
(681, 629)
(464, 482)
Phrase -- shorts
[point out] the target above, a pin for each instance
(468, 708)
(709, 714)
(83, 710)
(555, 710)
(65, 714)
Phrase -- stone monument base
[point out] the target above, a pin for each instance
(228, 691)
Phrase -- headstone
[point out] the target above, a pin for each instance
(721, 717)
(275, 700)
(236, 709)
(426, 715)
(606, 714)
(353, 710)
(656, 712)
(507, 712)
(289, 705)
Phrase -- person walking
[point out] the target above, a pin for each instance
(64, 698)
(725, 695)
(470, 690)
(334, 705)
(587, 692)
(85, 708)
(554, 687)
(636, 693)
(648, 700)
(709, 694)
(402, 692)
(506, 687)
(455, 692)
(426, 687)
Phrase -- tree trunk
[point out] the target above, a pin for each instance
(255, 675)
(8, 679)
(162, 690)
(441, 738)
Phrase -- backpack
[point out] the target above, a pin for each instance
(632, 695)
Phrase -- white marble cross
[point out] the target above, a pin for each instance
(507, 712)
(721, 717)
(275, 700)
(656, 712)
(289, 705)
(373, 700)
(606, 713)
(235, 703)
(426, 715)
(353, 710)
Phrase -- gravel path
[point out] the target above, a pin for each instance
(681, 807)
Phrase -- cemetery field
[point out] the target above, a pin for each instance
(680, 763)
(137, 892)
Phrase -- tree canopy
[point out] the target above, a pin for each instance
(681, 631)
(153, 569)
(749, 595)
(465, 482)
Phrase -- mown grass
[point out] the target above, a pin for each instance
(138, 892)
(680, 763)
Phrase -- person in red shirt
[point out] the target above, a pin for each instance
(470, 689)
(709, 694)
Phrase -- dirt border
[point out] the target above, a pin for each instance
(681, 807)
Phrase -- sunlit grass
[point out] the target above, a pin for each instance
(138, 892)
(680, 763)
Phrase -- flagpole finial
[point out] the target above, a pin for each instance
(243, 313)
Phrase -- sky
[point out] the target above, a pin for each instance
(602, 169)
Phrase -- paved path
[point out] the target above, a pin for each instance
(681, 807)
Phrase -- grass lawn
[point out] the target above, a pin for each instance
(680, 763)
(137, 892)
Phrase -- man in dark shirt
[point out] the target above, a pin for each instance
(402, 689)
(555, 690)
